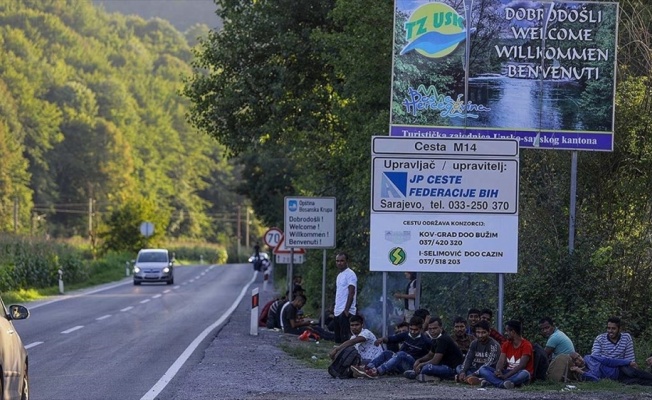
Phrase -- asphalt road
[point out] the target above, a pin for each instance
(120, 341)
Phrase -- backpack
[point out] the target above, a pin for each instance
(340, 367)
(540, 363)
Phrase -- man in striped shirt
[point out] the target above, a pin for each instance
(614, 343)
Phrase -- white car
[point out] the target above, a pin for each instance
(154, 265)
(13, 360)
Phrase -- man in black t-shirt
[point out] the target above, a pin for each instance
(289, 316)
(443, 358)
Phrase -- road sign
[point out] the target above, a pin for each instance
(282, 248)
(444, 205)
(285, 259)
(310, 222)
(273, 237)
(147, 229)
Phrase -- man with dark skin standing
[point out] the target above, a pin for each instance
(345, 298)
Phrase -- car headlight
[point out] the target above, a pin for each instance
(166, 270)
(136, 270)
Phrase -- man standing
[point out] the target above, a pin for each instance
(516, 362)
(346, 287)
(558, 348)
(409, 297)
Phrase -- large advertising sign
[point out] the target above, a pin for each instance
(444, 205)
(542, 73)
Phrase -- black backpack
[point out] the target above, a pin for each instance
(540, 363)
(340, 367)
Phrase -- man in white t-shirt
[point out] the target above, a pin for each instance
(345, 298)
(363, 340)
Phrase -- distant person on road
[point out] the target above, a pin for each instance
(484, 351)
(363, 340)
(409, 296)
(487, 315)
(558, 348)
(346, 288)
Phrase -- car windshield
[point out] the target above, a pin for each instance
(153, 257)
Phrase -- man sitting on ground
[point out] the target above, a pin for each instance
(462, 339)
(415, 345)
(364, 341)
(487, 315)
(483, 351)
(559, 348)
(473, 316)
(289, 321)
(515, 365)
(400, 328)
(442, 359)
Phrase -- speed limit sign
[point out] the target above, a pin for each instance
(273, 237)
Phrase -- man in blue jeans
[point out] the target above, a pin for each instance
(415, 345)
(515, 365)
(442, 359)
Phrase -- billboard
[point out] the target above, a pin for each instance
(542, 73)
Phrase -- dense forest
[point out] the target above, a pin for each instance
(92, 129)
(296, 90)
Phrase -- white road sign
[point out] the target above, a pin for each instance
(285, 259)
(310, 222)
(449, 206)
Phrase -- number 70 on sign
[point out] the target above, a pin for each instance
(273, 237)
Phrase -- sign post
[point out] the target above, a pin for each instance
(254, 312)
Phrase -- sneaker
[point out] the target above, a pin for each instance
(358, 372)
(508, 385)
(428, 378)
(372, 373)
(484, 383)
(473, 380)
(410, 374)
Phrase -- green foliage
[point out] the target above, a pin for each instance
(35, 263)
(122, 232)
(90, 111)
(210, 254)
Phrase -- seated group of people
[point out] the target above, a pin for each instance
(477, 354)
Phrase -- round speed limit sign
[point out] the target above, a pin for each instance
(273, 237)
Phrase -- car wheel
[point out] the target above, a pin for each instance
(170, 282)
(136, 283)
(24, 395)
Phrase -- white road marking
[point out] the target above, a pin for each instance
(78, 327)
(178, 363)
(145, 301)
(29, 346)
(167, 291)
(103, 317)
(176, 287)
(126, 308)
(156, 296)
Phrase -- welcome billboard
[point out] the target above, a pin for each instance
(542, 73)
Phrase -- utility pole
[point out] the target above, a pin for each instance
(239, 231)
(247, 230)
(15, 214)
(90, 218)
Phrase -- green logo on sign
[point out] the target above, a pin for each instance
(397, 256)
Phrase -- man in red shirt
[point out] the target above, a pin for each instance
(516, 362)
